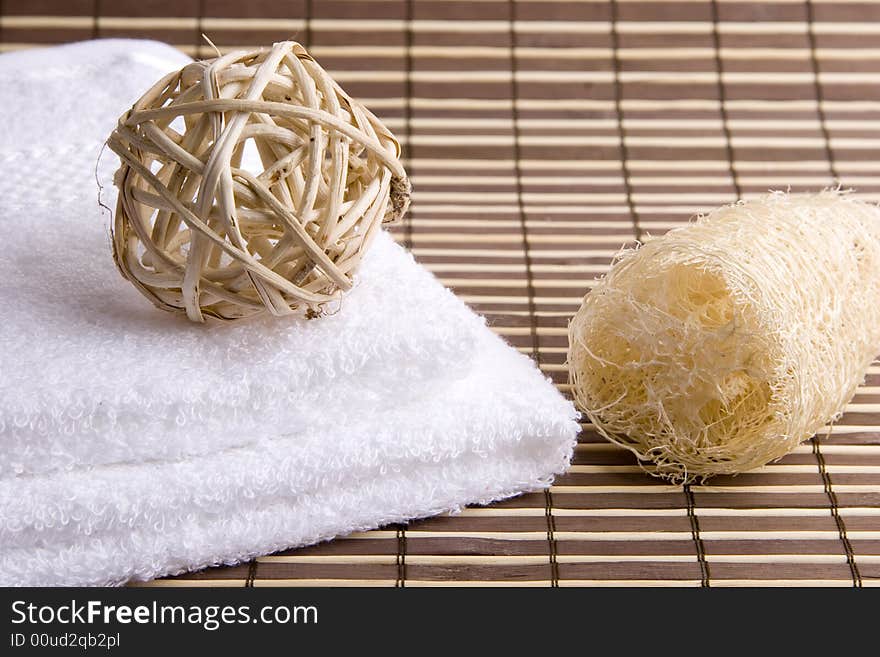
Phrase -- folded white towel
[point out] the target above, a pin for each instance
(135, 444)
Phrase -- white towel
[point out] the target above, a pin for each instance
(135, 444)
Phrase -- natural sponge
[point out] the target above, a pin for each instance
(723, 344)
(250, 183)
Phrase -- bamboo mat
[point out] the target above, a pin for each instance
(542, 136)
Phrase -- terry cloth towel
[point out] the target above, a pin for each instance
(134, 444)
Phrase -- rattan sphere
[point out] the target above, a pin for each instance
(250, 183)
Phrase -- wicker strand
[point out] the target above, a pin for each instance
(197, 230)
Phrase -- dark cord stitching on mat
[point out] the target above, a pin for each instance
(817, 90)
(835, 513)
(722, 101)
(400, 558)
(695, 535)
(251, 574)
(407, 117)
(829, 155)
(527, 258)
(621, 129)
(551, 537)
(307, 33)
(96, 14)
(199, 30)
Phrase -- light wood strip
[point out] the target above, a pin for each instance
(419, 180)
(591, 54)
(742, 535)
(649, 536)
(455, 583)
(685, 123)
(440, 267)
(690, 182)
(586, 209)
(862, 408)
(506, 238)
(653, 104)
(526, 53)
(709, 512)
(786, 583)
(468, 252)
(499, 208)
(844, 429)
(787, 512)
(12, 46)
(392, 582)
(679, 214)
(411, 559)
(659, 489)
(637, 583)
(504, 312)
(552, 201)
(187, 583)
(462, 198)
(666, 141)
(539, 512)
(541, 330)
(487, 77)
(563, 224)
(686, 211)
(578, 210)
(515, 283)
(602, 2)
(573, 224)
(359, 583)
(527, 560)
(821, 535)
(553, 198)
(354, 559)
(480, 560)
(488, 299)
(366, 583)
(772, 469)
(786, 558)
(851, 450)
(86, 22)
(555, 203)
(476, 164)
(443, 26)
(555, 53)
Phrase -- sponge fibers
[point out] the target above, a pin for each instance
(723, 344)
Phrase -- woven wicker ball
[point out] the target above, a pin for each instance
(251, 183)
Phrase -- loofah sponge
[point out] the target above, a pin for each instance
(723, 344)
(199, 230)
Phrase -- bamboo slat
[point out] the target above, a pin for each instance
(587, 124)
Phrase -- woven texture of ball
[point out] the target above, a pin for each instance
(720, 346)
(251, 183)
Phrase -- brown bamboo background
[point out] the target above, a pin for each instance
(540, 137)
